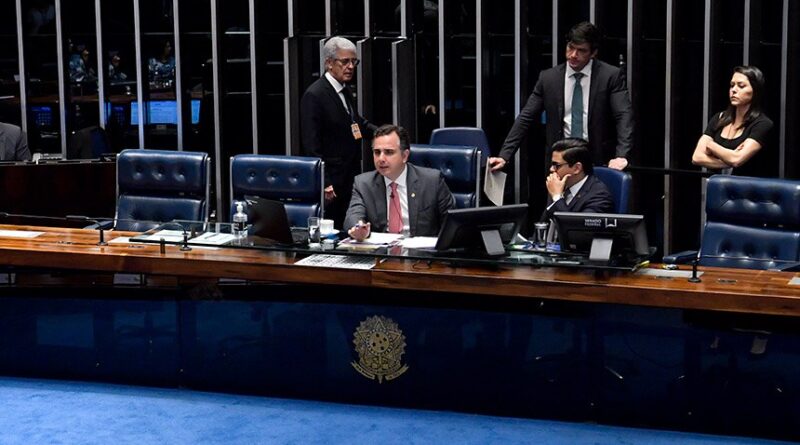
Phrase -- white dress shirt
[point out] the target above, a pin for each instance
(402, 189)
(339, 90)
(569, 87)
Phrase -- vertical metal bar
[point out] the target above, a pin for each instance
(290, 19)
(367, 19)
(593, 11)
(629, 48)
(137, 35)
(217, 104)
(287, 108)
(442, 100)
(328, 18)
(706, 60)
(253, 75)
(555, 33)
(784, 89)
(179, 96)
(62, 103)
(517, 90)
(101, 67)
(403, 19)
(668, 189)
(746, 33)
(478, 63)
(395, 86)
(23, 82)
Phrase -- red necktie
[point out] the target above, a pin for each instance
(395, 212)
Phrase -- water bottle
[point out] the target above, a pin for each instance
(239, 227)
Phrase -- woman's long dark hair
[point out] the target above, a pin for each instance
(756, 78)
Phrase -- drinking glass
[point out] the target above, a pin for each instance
(313, 230)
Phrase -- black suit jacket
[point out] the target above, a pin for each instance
(592, 197)
(13, 144)
(428, 201)
(325, 133)
(610, 115)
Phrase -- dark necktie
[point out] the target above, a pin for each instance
(576, 130)
(348, 99)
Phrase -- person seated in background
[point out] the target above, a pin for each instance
(13, 144)
(571, 185)
(79, 69)
(162, 67)
(115, 74)
(735, 135)
(398, 197)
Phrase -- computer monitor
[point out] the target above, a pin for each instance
(195, 111)
(602, 235)
(270, 221)
(158, 112)
(42, 116)
(483, 229)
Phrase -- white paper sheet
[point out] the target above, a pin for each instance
(494, 184)
(419, 242)
(27, 234)
(338, 261)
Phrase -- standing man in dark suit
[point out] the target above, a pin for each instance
(398, 197)
(13, 144)
(583, 98)
(331, 127)
(571, 185)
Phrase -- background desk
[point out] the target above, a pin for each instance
(614, 348)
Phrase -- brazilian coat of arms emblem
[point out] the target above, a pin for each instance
(380, 345)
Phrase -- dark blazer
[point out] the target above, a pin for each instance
(610, 116)
(325, 132)
(13, 144)
(428, 201)
(593, 197)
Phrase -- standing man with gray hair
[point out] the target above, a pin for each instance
(331, 128)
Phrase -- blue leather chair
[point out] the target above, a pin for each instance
(472, 136)
(459, 165)
(298, 181)
(155, 186)
(618, 183)
(751, 223)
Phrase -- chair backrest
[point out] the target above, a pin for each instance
(472, 136)
(88, 143)
(751, 223)
(618, 183)
(297, 181)
(459, 165)
(159, 186)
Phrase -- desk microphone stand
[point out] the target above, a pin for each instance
(694, 278)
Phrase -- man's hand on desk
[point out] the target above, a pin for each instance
(360, 231)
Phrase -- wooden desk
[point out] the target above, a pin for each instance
(508, 340)
(727, 290)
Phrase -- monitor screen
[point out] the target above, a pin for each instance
(602, 235)
(42, 116)
(195, 111)
(158, 112)
(483, 230)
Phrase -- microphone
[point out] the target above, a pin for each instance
(96, 221)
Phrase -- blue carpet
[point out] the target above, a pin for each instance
(58, 412)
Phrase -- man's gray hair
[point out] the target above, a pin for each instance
(333, 45)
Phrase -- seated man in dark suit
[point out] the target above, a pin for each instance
(13, 144)
(398, 197)
(571, 186)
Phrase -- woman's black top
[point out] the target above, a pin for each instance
(757, 130)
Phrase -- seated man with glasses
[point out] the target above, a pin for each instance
(571, 186)
(331, 127)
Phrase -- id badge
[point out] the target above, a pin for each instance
(356, 131)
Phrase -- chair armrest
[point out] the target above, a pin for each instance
(104, 225)
(680, 257)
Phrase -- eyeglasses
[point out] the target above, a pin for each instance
(556, 165)
(345, 62)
